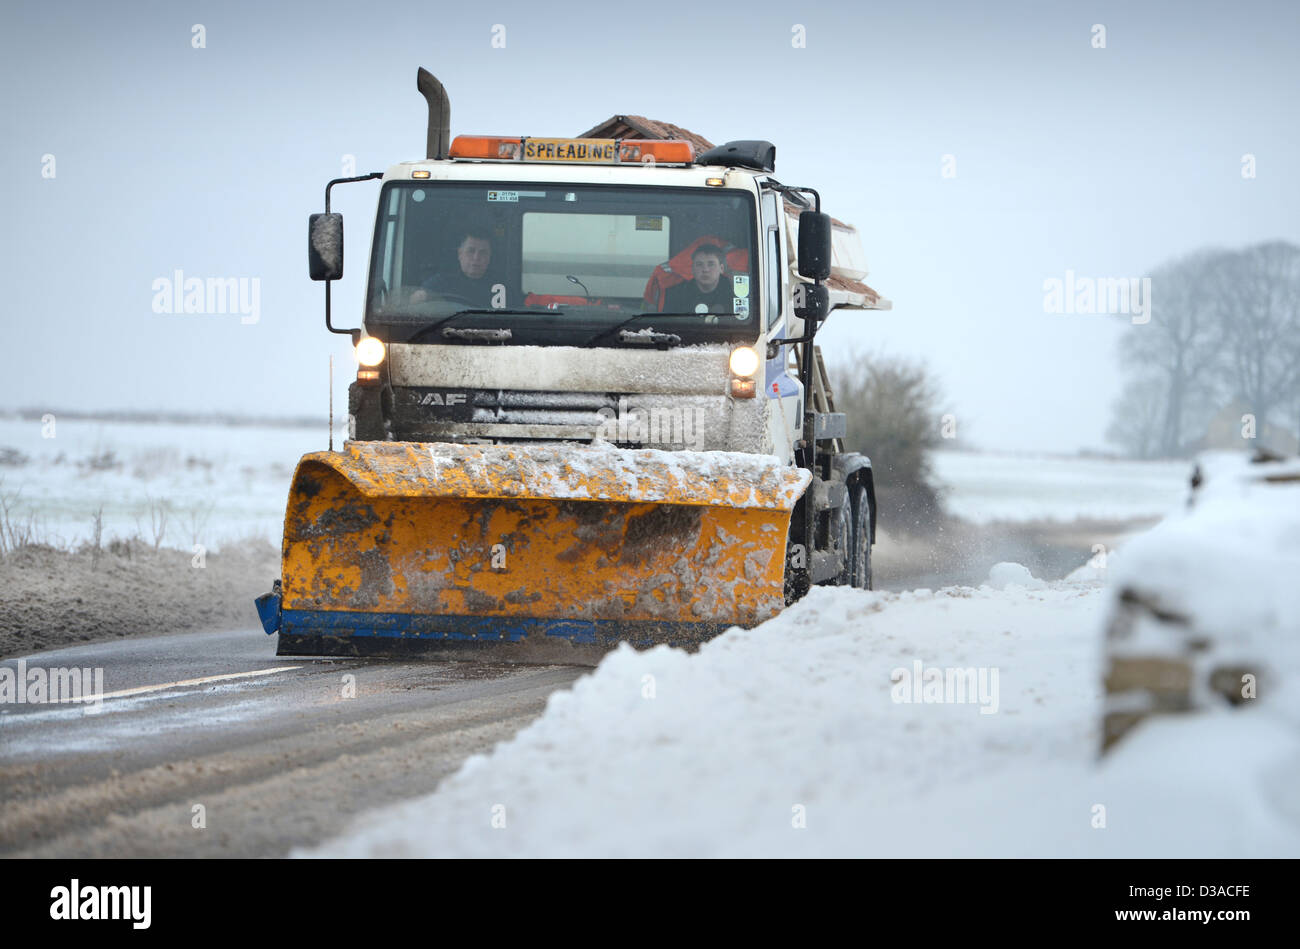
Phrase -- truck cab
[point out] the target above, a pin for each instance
(572, 328)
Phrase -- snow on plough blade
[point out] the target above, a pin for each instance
(538, 553)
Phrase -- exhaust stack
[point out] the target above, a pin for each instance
(439, 139)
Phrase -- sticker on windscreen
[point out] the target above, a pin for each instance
(503, 195)
(740, 306)
(740, 284)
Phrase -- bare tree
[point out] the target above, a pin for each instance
(1224, 324)
(159, 511)
(17, 530)
(96, 536)
(1258, 290)
(1177, 351)
(196, 519)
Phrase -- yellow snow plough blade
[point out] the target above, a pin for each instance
(527, 552)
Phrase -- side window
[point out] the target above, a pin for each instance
(772, 253)
(384, 277)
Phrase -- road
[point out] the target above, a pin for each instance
(271, 753)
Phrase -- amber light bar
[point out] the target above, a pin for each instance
(588, 151)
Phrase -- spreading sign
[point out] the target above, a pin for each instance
(571, 149)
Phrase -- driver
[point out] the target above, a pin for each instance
(707, 292)
(471, 282)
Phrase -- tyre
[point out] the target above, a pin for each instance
(842, 542)
(861, 559)
(798, 578)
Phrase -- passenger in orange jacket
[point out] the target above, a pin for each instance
(708, 291)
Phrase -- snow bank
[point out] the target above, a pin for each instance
(834, 730)
(1229, 562)
(1206, 608)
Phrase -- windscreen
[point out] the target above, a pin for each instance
(562, 264)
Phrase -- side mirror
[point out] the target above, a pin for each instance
(814, 245)
(325, 246)
(811, 302)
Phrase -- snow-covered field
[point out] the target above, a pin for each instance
(998, 487)
(224, 483)
(220, 483)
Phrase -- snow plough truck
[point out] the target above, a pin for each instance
(588, 409)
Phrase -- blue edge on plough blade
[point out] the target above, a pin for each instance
(335, 625)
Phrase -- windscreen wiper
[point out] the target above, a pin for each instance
(632, 319)
(650, 338)
(447, 319)
(493, 335)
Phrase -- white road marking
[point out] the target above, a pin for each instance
(140, 690)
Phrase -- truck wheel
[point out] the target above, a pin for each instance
(798, 581)
(861, 539)
(842, 541)
(798, 576)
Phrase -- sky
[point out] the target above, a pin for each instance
(980, 149)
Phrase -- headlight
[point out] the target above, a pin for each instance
(744, 361)
(370, 351)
